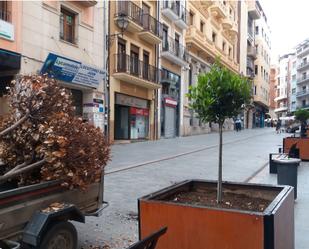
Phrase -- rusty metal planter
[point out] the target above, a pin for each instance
(301, 143)
(202, 227)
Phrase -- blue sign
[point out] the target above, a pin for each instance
(71, 71)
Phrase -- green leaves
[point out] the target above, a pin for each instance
(302, 115)
(219, 94)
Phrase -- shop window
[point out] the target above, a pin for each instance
(67, 26)
(77, 97)
(5, 14)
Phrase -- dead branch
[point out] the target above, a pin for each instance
(14, 126)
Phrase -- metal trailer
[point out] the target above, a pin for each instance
(25, 217)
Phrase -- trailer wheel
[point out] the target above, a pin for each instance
(60, 235)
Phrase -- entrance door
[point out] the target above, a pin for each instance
(146, 65)
(122, 124)
(146, 18)
(134, 68)
(170, 122)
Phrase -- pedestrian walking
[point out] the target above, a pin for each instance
(278, 126)
(238, 124)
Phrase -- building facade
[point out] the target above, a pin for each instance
(302, 88)
(293, 85)
(283, 88)
(212, 32)
(272, 90)
(133, 69)
(261, 70)
(173, 64)
(249, 12)
(64, 39)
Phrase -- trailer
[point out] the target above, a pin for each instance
(39, 215)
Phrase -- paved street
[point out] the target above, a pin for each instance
(131, 175)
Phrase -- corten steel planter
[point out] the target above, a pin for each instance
(301, 143)
(202, 227)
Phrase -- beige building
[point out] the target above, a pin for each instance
(261, 70)
(212, 32)
(174, 66)
(133, 69)
(64, 39)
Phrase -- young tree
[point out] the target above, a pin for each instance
(218, 95)
(302, 115)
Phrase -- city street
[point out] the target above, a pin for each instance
(140, 168)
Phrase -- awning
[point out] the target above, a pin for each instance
(9, 60)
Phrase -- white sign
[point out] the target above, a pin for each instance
(6, 30)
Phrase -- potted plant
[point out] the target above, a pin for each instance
(214, 215)
(302, 142)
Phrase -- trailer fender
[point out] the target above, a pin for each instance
(36, 227)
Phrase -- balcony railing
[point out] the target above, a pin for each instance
(167, 76)
(302, 79)
(128, 64)
(5, 15)
(131, 10)
(302, 93)
(175, 48)
(152, 25)
(303, 64)
(178, 9)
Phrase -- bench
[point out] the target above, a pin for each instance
(150, 241)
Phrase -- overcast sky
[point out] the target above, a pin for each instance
(289, 24)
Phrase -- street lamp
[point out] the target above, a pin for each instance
(122, 22)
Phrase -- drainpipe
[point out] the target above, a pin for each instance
(107, 63)
(156, 124)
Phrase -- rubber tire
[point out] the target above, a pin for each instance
(4, 245)
(54, 229)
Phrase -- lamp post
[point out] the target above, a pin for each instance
(122, 22)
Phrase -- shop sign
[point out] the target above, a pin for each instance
(130, 101)
(6, 30)
(72, 71)
(138, 111)
(170, 102)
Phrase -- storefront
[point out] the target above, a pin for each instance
(131, 117)
(85, 83)
(9, 67)
(259, 116)
(169, 108)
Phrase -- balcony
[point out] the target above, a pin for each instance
(302, 79)
(253, 10)
(303, 50)
(281, 109)
(206, 4)
(227, 23)
(174, 52)
(305, 107)
(176, 13)
(251, 52)
(281, 97)
(133, 14)
(302, 93)
(152, 30)
(302, 66)
(250, 74)
(218, 9)
(250, 36)
(88, 3)
(136, 72)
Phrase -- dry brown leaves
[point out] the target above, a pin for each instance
(76, 152)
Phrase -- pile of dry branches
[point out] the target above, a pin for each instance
(41, 139)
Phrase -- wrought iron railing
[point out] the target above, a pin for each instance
(178, 9)
(131, 65)
(152, 24)
(5, 15)
(131, 10)
(169, 44)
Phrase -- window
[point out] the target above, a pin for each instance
(165, 38)
(202, 24)
(294, 64)
(256, 71)
(304, 103)
(304, 76)
(191, 18)
(254, 90)
(256, 30)
(294, 77)
(257, 49)
(304, 88)
(214, 37)
(304, 61)
(230, 51)
(67, 26)
(223, 46)
(4, 12)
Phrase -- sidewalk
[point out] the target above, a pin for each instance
(301, 204)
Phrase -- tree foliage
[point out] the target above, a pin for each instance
(42, 140)
(219, 94)
(302, 115)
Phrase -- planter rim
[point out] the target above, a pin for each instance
(274, 204)
(287, 160)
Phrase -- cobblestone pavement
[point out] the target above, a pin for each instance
(138, 169)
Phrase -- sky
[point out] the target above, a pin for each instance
(289, 24)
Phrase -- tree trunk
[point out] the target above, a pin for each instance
(219, 184)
